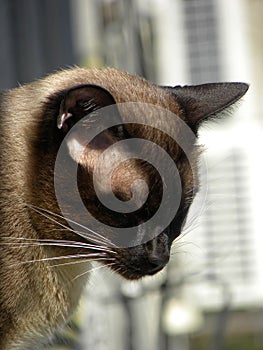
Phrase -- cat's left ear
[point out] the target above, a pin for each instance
(202, 102)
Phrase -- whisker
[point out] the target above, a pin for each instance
(86, 256)
(95, 240)
(52, 219)
(37, 240)
(191, 224)
(91, 270)
(219, 163)
(182, 244)
(82, 261)
(59, 243)
(38, 210)
(82, 234)
(85, 235)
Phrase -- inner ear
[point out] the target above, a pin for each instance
(79, 101)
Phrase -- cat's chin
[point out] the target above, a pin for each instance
(136, 274)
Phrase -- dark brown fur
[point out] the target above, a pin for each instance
(37, 298)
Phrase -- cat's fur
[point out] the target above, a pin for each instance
(36, 297)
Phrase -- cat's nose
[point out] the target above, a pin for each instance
(157, 262)
(158, 253)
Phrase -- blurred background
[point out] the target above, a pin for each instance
(211, 295)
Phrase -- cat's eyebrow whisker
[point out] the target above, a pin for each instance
(41, 210)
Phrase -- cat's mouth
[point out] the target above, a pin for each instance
(135, 272)
(143, 260)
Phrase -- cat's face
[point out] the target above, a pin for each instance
(146, 250)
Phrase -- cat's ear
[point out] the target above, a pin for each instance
(79, 101)
(202, 102)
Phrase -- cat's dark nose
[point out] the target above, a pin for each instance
(158, 253)
(157, 262)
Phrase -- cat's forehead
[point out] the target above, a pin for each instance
(123, 86)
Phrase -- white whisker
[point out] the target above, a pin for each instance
(39, 210)
(182, 244)
(91, 270)
(78, 256)
(82, 261)
(58, 243)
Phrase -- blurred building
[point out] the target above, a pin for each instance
(219, 266)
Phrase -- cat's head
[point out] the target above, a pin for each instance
(89, 119)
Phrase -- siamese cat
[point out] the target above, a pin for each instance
(44, 262)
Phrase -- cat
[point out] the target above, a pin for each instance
(44, 258)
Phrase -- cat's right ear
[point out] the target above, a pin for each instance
(206, 101)
(79, 101)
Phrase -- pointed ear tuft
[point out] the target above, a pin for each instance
(201, 102)
(80, 101)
